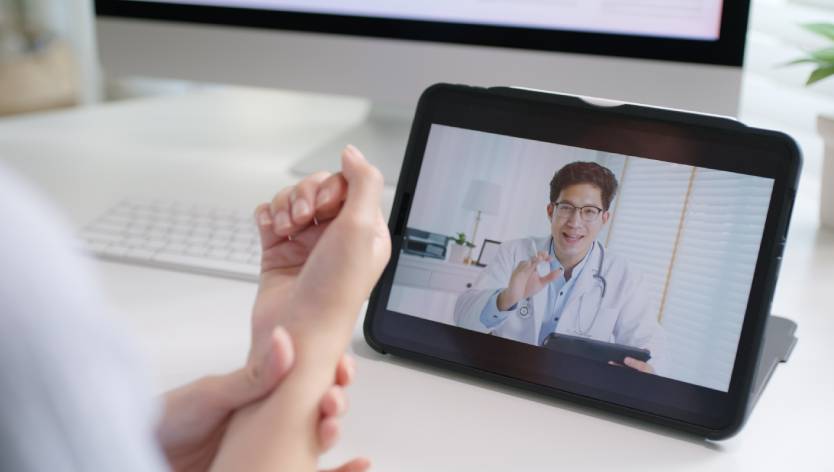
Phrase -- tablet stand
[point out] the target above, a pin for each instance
(779, 342)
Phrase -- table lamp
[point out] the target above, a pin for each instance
(481, 197)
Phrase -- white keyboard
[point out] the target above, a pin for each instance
(177, 236)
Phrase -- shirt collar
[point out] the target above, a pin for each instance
(555, 263)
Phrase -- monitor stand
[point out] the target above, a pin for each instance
(779, 342)
(382, 138)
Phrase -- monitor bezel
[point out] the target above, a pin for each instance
(727, 50)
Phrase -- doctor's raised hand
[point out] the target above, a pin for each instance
(525, 281)
(325, 244)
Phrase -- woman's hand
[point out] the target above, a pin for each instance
(196, 415)
(324, 244)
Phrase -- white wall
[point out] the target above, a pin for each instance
(522, 167)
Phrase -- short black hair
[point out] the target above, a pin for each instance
(585, 173)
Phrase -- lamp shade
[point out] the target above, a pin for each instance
(484, 196)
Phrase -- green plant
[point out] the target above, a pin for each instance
(823, 58)
(461, 240)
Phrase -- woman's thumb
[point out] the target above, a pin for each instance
(264, 371)
(365, 183)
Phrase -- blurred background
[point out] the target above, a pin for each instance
(47, 55)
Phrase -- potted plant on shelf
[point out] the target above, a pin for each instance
(823, 60)
(458, 247)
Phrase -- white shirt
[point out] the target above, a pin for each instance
(72, 397)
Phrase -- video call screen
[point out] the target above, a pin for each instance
(535, 241)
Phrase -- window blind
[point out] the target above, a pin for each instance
(645, 220)
(710, 280)
(695, 236)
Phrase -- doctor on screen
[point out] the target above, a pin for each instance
(566, 282)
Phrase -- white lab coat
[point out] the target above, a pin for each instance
(624, 316)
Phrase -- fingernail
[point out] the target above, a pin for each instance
(323, 196)
(353, 151)
(300, 208)
(263, 218)
(282, 220)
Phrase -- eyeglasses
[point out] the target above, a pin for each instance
(589, 213)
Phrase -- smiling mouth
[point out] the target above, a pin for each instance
(572, 239)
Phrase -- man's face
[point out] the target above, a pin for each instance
(573, 235)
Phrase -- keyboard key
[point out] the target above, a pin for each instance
(196, 250)
(218, 253)
(174, 248)
(137, 230)
(135, 241)
(155, 243)
(138, 253)
(241, 257)
(240, 246)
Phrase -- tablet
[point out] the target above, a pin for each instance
(600, 351)
(635, 226)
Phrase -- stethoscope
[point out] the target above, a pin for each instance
(524, 310)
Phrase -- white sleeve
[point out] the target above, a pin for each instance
(471, 303)
(71, 394)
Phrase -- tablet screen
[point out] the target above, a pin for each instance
(521, 238)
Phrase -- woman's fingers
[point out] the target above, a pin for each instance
(330, 196)
(261, 376)
(334, 402)
(292, 207)
(263, 219)
(303, 198)
(345, 370)
(276, 362)
(329, 430)
(280, 207)
(365, 185)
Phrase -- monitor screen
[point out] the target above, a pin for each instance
(649, 257)
(681, 19)
(689, 31)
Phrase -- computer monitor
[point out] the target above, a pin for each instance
(676, 53)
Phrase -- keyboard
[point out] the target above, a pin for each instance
(177, 236)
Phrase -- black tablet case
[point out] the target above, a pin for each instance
(776, 338)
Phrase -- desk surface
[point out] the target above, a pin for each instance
(234, 147)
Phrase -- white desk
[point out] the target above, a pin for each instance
(234, 147)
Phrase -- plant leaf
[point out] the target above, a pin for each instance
(822, 29)
(820, 73)
(824, 56)
(804, 60)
